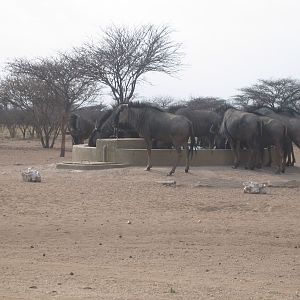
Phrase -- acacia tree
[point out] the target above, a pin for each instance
(206, 103)
(123, 55)
(163, 101)
(34, 105)
(66, 81)
(279, 93)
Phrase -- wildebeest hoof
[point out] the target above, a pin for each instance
(147, 169)
(186, 170)
(234, 167)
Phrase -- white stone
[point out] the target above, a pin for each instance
(31, 175)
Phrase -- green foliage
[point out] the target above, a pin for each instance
(272, 93)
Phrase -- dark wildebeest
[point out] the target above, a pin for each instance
(242, 127)
(220, 142)
(206, 123)
(106, 129)
(292, 123)
(82, 121)
(274, 133)
(154, 123)
(80, 128)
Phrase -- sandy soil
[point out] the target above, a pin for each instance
(68, 237)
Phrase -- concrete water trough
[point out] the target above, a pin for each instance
(132, 152)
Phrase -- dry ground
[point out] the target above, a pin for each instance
(69, 238)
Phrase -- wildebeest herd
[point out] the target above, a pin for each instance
(183, 127)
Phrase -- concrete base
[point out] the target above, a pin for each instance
(89, 166)
(132, 152)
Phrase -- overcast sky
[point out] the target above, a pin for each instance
(228, 44)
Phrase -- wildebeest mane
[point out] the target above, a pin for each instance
(254, 107)
(223, 107)
(173, 108)
(145, 105)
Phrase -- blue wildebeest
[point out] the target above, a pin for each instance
(206, 123)
(154, 123)
(80, 128)
(292, 122)
(274, 133)
(242, 127)
(82, 121)
(105, 129)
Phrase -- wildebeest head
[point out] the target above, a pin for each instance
(93, 137)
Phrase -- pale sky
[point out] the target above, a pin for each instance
(228, 44)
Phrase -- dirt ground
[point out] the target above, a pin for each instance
(119, 234)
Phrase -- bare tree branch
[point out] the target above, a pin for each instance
(124, 55)
(279, 93)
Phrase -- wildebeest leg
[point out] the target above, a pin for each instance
(290, 154)
(259, 158)
(252, 157)
(187, 161)
(211, 140)
(149, 165)
(281, 159)
(293, 155)
(235, 146)
(178, 150)
(269, 163)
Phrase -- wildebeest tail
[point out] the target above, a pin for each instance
(193, 140)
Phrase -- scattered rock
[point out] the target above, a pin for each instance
(31, 175)
(251, 187)
(33, 287)
(128, 222)
(167, 182)
(71, 273)
(53, 292)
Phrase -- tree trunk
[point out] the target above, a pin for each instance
(47, 140)
(63, 134)
(12, 131)
(55, 135)
(42, 141)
